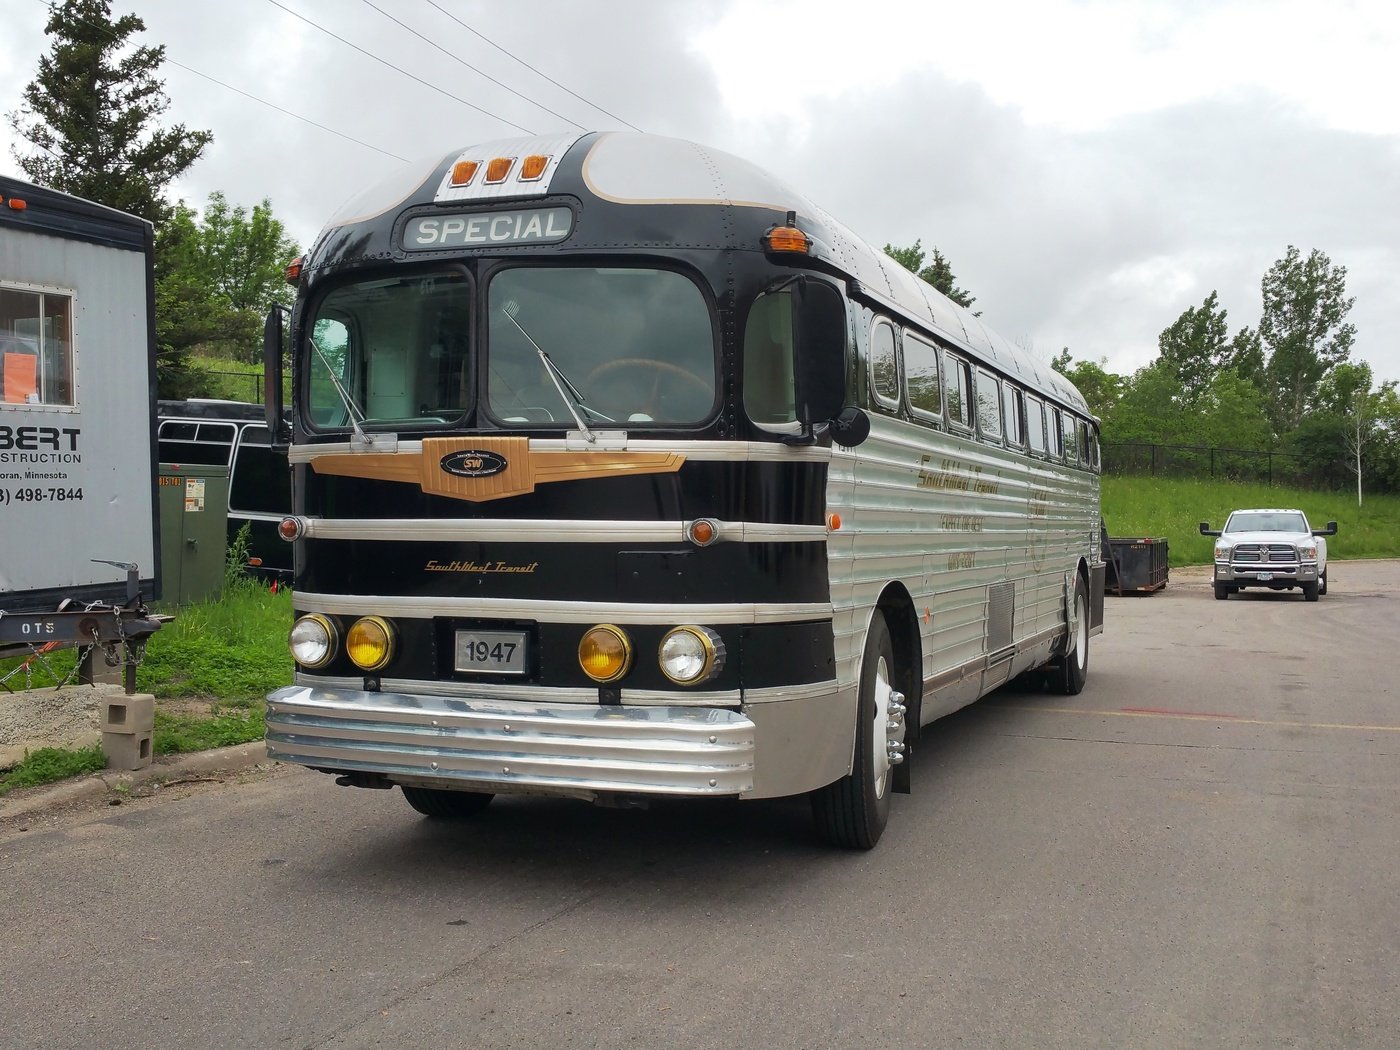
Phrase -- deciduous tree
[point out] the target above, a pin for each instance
(1303, 330)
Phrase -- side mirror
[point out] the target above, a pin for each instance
(1206, 530)
(274, 347)
(1331, 530)
(820, 346)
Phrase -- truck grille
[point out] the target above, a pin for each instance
(1266, 554)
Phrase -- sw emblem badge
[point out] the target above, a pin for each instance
(473, 463)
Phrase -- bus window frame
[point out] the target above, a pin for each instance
(1054, 429)
(1011, 390)
(937, 419)
(886, 404)
(967, 401)
(1042, 451)
(1069, 434)
(999, 437)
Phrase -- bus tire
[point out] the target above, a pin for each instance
(1073, 669)
(446, 805)
(851, 813)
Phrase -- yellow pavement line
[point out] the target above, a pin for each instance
(1190, 716)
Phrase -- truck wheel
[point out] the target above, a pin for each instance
(1322, 583)
(1221, 592)
(852, 812)
(1310, 591)
(1073, 670)
(446, 805)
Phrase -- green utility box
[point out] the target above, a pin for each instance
(193, 531)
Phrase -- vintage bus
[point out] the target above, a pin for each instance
(622, 470)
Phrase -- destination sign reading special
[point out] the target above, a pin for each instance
(481, 230)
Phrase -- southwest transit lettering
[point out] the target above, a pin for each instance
(536, 226)
(473, 566)
(954, 476)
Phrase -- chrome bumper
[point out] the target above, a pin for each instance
(1244, 572)
(508, 745)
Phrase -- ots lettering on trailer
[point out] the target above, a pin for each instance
(488, 229)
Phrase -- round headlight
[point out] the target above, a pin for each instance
(370, 643)
(312, 641)
(605, 653)
(691, 654)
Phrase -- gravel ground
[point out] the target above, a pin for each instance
(36, 718)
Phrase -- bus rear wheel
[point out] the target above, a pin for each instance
(1073, 670)
(446, 805)
(852, 812)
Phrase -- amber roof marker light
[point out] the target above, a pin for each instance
(787, 238)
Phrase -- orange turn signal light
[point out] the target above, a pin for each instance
(497, 169)
(833, 522)
(294, 269)
(532, 167)
(16, 204)
(464, 171)
(787, 239)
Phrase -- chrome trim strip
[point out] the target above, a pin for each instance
(423, 608)
(534, 530)
(779, 693)
(526, 746)
(739, 451)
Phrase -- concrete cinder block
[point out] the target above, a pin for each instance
(128, 750)
(127, 714)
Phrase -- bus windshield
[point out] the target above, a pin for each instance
(627, 346)
(391, 353)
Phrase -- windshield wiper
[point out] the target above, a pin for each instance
(568, 393)
(352, 410)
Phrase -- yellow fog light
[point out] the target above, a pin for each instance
(370, 643)
(605, 653)
(691, 654)
(313, 641)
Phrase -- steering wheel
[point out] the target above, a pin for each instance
(660, 368)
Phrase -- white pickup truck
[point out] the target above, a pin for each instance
(1270, 548)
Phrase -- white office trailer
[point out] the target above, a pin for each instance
(77, 407)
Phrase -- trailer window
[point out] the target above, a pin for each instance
(36, 347)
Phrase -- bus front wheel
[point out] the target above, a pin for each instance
(852, 812)
(1073, 670)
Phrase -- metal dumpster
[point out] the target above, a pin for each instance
(1136, 564)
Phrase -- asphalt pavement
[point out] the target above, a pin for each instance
(1199, 850)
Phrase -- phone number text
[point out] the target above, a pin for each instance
(37, 495)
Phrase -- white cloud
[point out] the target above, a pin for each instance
(1090, 169)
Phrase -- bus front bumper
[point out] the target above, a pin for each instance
(506, 746)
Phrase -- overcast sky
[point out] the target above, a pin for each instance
(1090, 170)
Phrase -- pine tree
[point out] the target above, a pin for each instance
(92, 113)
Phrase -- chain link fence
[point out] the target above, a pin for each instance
(1198, 461)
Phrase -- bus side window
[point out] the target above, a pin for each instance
(988, 406)
(1055, 437)
(1095, 462)
(884, 365)
(921, 384)
(769, 388)
(1035, 425)
(1011, 405)
(957, 389)
(1071, 443)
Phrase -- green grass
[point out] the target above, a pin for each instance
(1174, 507)
(224, 726)
(49, 764)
